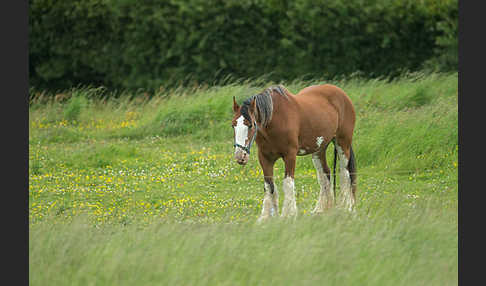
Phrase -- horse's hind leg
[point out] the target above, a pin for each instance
(347, 176)
(326, 194)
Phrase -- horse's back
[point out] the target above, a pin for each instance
(327, 94)
(323, 90)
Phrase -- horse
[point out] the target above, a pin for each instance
(285, 125)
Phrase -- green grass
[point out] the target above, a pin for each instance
(145, 192)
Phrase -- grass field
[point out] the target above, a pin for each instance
(136, 191)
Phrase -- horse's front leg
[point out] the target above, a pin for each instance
(270, 198)
(289, 208)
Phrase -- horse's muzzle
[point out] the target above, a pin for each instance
(241, 156)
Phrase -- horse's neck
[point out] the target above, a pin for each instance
(280, 104)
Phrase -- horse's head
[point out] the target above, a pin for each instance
(245, 129)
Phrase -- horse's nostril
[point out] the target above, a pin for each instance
(241, 161)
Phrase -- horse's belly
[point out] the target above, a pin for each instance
(313, 142)
(316, 130)
(304, 151)
(309, 148)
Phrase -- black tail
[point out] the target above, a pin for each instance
(334, 168)
(352, 169)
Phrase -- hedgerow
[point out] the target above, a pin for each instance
(148, 44)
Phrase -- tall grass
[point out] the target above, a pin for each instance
(411, 116)
(402, 247)
(130, 190)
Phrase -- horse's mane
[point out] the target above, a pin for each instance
(264, 103)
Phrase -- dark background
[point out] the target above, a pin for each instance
(146, 45)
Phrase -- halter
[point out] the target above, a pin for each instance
(247, 148)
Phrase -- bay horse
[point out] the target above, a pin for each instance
(285, 126)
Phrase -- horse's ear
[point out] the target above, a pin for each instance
(235, 105)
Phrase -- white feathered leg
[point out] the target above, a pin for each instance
(270, 202)
(347, 200)
(326, 195)
(289, 207)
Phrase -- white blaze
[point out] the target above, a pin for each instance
(241, 131)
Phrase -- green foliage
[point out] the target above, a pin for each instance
(420, 97)
(446, 50)
(131, 44)
(75, 106)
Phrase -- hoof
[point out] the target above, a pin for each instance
(263, 219)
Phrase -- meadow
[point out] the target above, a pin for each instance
(126, 189)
